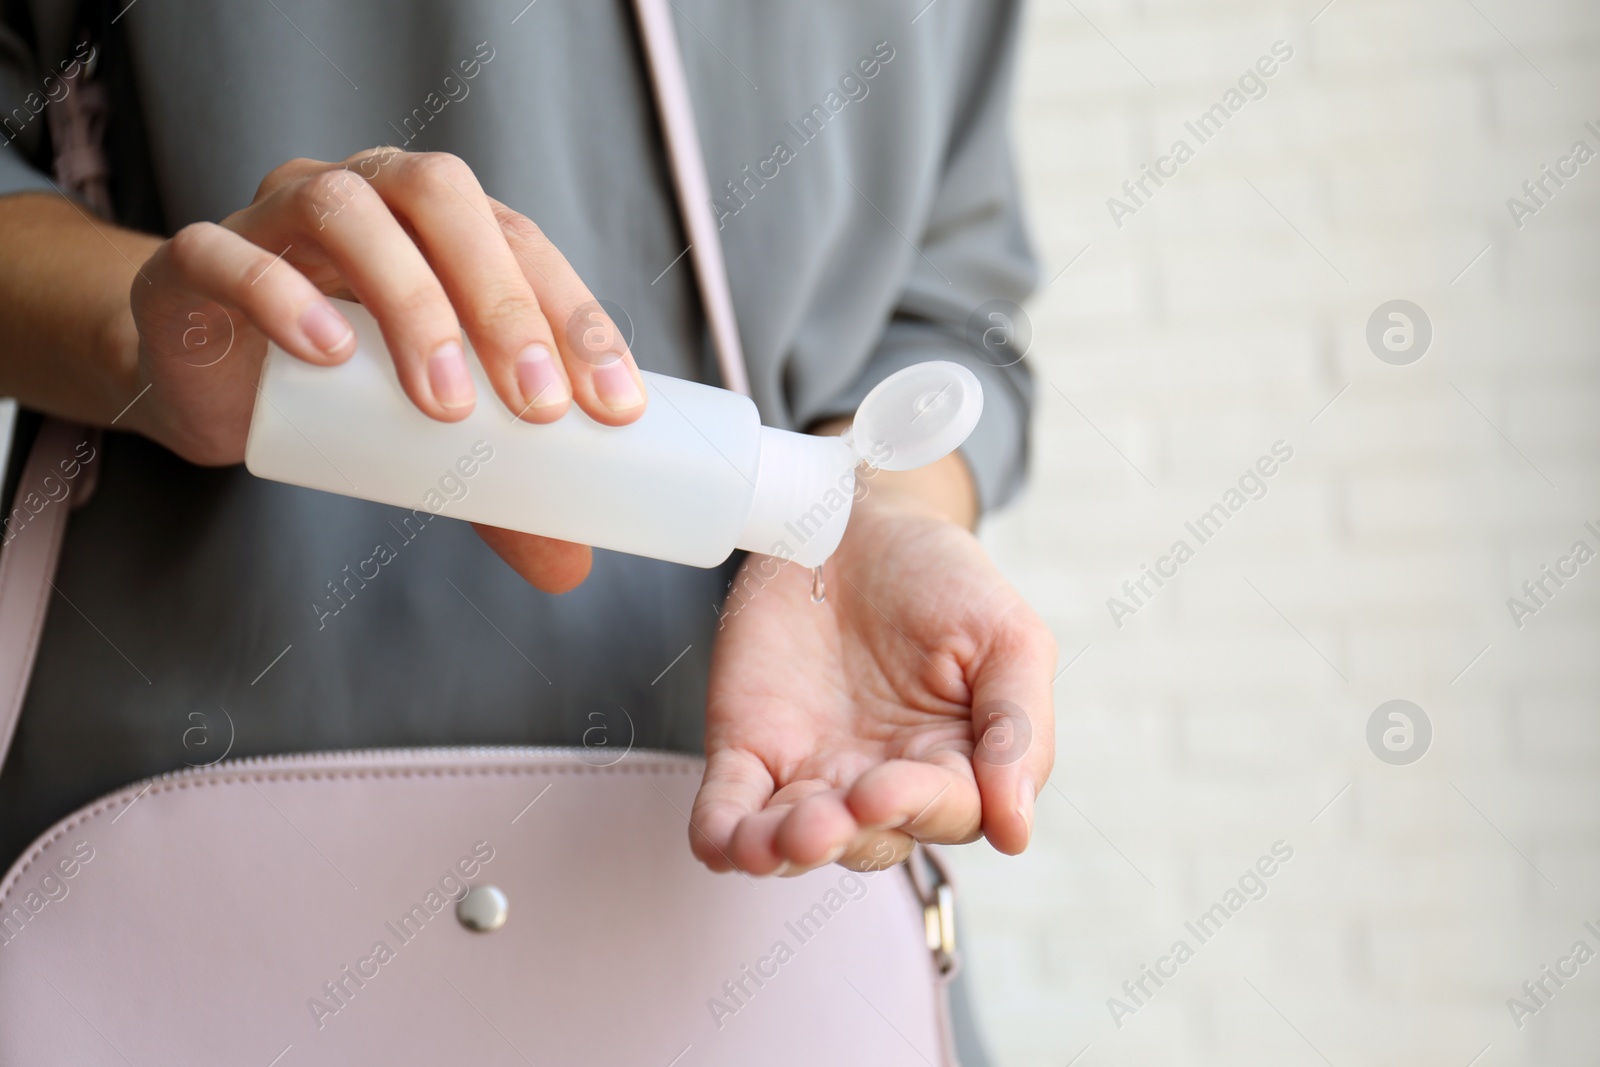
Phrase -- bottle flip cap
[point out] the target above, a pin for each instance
(916, 416)
(805, 484)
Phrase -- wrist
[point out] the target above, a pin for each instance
(116, 349)
(944, 489)
(64, 281)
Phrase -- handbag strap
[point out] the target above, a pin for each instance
(77, 134)
(30, 540)
(676, 111)
(56, 478)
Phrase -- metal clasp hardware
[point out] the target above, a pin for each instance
(939, 923)
(937, 895)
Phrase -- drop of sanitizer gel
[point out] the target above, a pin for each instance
(693, 479)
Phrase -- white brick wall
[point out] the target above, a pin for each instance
(1205, 728)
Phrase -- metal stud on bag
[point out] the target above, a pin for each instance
(483, 909)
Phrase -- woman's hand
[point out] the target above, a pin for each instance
(912, 704)
(415, 239)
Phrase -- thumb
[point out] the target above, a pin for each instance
(1013, 728)
(545, 563)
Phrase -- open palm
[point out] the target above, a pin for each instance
(913, 703)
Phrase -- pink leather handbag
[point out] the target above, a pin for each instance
(493, 905)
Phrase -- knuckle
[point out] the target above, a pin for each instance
(519, 228)
(281, 174)
(188, 244)
(424, 302)
(253, 274)
(371, 161)
(335, 181)
(328, 192)
(376, 150)
(506, 310)
(439, 172)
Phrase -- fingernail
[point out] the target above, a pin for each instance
(447, 375)
(832, 857)
(538, 378)
(615, 385)
(783, 869)
(325, 327)
(1025, 798)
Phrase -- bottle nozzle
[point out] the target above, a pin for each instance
(805, 485)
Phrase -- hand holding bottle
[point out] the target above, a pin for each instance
(415, 239)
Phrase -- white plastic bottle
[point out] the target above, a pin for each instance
(696, 476)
